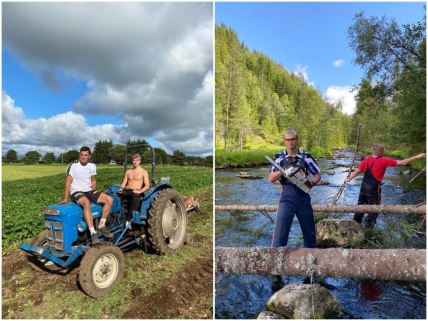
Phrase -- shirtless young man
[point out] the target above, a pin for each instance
(135, 182)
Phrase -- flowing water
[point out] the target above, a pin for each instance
(245, 296)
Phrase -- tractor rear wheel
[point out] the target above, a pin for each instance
(101, 269)
(167, 222)
(39, 263)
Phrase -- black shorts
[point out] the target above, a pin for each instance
(91, 196)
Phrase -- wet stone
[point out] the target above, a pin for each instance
(336, 232)
(305, 301)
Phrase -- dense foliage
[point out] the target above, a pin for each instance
(23, 200)
(391, 102)
(258, 98)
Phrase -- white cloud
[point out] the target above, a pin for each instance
(57, 133)
(342, 95)
(149, 64)
(338, 63)
(302, 72)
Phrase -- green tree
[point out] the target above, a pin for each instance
(102, 152)
(117, 153)
(49, 158)
(70, 156)
(178, 157)
(32, 157)
(11, 156)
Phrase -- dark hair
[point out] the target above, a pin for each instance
(85, 149)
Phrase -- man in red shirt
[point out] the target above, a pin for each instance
(374, 168)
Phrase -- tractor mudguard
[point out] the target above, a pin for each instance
(149, 197)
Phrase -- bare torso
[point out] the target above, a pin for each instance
(135, 178)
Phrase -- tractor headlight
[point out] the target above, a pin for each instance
(81, 227)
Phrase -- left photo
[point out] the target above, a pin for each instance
(107, 160)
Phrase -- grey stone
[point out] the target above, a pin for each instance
(305, 301)
(333, 233)
(269, 315)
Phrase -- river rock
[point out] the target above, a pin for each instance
(305, 301)
(269, 315)
(334, 232)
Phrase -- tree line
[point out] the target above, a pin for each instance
(391, 100)
(257, 98)
(106, 152)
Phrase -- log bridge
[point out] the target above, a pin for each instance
(378, 264)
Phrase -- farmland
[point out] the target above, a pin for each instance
(149, 279)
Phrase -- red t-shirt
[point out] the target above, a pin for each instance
(379, 168)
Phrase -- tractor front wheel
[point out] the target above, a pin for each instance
(39, 263)
(167, 222)
(101, 269)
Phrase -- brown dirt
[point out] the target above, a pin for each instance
(180, 297)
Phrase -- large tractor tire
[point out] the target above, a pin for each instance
(39, 263)
(101, 269)
(167, 222)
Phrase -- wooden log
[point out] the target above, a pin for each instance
(319, 208)
(397, 264)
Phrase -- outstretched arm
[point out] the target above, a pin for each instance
(351, 177)
(410, 159)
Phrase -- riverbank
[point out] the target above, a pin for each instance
(253, 158)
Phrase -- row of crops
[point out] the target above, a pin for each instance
(23, 200)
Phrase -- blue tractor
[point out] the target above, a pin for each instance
(159, 226)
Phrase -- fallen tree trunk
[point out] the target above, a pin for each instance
(383, 209)
(397, 264)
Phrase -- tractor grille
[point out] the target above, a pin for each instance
(55, 235)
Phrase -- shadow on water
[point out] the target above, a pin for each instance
(245, 296)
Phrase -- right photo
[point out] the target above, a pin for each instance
(320, 157)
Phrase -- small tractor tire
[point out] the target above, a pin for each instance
(167, 222)
(41, 264)
(101, 269)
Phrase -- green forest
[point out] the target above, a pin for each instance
(256, 98)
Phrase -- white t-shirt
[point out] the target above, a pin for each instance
(81, 176)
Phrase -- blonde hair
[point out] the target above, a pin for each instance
(136, 156)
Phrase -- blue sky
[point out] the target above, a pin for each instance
(309, 37)
(77, 73)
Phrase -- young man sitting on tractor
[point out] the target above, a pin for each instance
(81, 184)
(135, 183)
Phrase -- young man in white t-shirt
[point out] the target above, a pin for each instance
(81, 184)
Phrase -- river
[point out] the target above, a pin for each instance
(245, 296)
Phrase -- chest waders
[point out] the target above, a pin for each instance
(293, 201)
(369, 194)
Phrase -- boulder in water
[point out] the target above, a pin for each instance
(334, 232)
(269, 315)
(305, 301)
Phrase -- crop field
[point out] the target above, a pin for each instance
(154, 286)
(24, 199)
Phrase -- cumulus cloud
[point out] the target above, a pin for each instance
(345, 96)
(302, 72)
(57, 133)
(149, 64)
(338, 63)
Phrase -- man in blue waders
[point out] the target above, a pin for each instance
(293, 200)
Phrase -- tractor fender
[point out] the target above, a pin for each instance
(149, 197)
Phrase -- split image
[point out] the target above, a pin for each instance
(305, 122)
